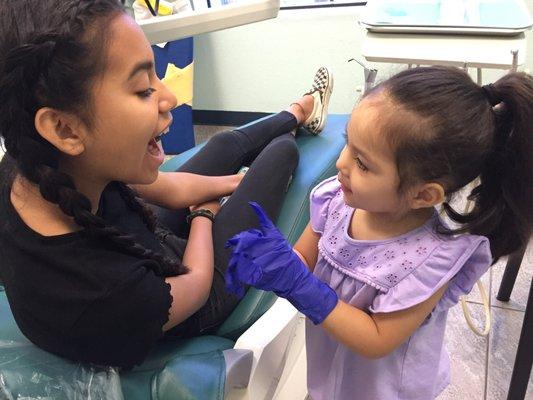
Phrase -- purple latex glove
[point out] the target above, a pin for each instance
(264, 259)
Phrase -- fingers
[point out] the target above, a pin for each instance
(241, 269)
(266, 223)
(244, 237)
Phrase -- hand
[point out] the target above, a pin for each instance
(263, 259)
(212, 205)
(236, 180)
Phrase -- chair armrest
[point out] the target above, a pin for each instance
(269, 338)
(238, 368)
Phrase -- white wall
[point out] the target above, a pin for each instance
(261, 67)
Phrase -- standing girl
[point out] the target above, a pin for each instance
(377, 270)
(89, 273)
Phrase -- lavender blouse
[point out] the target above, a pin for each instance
(381, 276)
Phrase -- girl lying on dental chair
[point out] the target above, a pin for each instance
(89, 273)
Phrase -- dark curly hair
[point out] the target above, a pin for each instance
(445, 128)
(50, 54)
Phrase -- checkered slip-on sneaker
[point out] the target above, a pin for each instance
(321, 91)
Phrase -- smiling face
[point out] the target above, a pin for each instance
(367, 167)
(131, 108)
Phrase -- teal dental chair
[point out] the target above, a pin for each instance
(205, 367)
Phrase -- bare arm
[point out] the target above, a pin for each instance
(191, 291)
(376, 335)
(175, 190)
(307, 247)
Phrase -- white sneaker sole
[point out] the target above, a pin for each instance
(325, 104)
(320, 115)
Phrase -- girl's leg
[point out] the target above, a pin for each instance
(224, 154)
(227, 151)
(266, 183)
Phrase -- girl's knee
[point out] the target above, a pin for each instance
(223, 139)
(285, 146)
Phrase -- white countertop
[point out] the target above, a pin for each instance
(455, 50)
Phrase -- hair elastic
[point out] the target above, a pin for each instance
(490, 94)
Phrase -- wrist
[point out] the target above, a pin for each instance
(203, 213)
(317, 301)
(235, 181)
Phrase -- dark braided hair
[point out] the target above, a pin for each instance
(445, 128)
(50, 54)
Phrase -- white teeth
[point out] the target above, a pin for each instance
(158, 137)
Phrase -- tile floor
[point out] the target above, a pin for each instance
(204, 132)
(481, 366)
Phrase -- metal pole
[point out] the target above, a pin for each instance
(524, 355)
(514, 65)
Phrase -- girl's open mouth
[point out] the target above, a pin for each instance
(155, 148)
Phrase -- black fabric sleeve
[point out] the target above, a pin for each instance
(121, 327)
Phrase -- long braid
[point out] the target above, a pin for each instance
(55, 69)
(59, 188)
(137, 204)
(134, 202)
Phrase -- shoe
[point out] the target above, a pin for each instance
(321, 91)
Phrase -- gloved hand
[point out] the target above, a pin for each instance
(264, 259)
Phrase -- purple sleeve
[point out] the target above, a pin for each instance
(320, 199)
(463, 281)
(461, 261)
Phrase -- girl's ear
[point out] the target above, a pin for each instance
(427, 195)
(62, 130)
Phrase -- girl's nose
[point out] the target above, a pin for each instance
(167, 99)
(340, 163)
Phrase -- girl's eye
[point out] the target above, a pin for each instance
(360, 164)
(146, 93)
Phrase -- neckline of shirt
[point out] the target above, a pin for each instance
(23, 228)
(431, 221)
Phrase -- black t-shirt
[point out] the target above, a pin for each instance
(80, 297)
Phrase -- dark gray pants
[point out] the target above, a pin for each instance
(271, 152)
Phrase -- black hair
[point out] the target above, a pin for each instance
(445, 128)
(50, 55)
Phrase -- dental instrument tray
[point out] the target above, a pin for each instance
(476, 17)
(177, 26)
